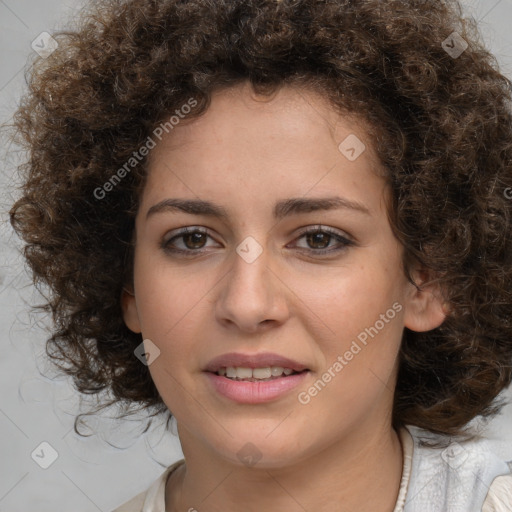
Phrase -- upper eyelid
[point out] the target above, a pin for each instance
(185, 230)
(312, 227)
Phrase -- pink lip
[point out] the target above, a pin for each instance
(255, 392)
(252, 361)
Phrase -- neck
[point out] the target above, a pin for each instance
(361, 472)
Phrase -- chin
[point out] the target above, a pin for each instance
(259, 450)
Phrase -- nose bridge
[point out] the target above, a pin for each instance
(252, 293)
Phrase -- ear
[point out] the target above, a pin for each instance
(426, 308)
(129, 307)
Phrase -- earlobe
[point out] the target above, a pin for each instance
(426, 308)
(130, 313)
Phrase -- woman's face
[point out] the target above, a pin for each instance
(252, 282)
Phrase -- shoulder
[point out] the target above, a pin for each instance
(152, 499)
(455, 476)
(499, 498)
(133, 505)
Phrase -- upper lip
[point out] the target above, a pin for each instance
(234, 359)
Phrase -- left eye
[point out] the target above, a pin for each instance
(194, 240)
(323, 237)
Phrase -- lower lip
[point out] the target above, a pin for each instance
(246, 392)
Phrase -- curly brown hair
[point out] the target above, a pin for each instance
(441, 125)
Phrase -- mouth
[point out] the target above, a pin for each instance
(256, 378)
(264, 365)
(263, 374)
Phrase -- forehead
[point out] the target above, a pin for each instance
(292, 115)
(249, 146)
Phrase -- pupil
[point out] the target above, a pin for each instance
(196, 238)
(317, 237)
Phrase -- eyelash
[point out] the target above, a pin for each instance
(166, 244)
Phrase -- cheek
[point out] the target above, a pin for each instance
(174, 303)
(353, 299)
(168, 293)
(360, 357)
(369, 324)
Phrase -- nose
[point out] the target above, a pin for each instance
(253, 298)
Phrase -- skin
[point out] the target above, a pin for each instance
(339, 452)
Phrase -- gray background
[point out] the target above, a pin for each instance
(101, 471)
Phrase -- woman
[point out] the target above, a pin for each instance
(286, 224)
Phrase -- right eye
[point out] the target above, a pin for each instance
(193, 240)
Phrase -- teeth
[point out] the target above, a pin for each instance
(275, 371)
(243, 373)
(261, 373)
(230, 372)
(265, 373)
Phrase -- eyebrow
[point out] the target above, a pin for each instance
(282, 208)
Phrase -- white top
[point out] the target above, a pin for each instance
(466, 477)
